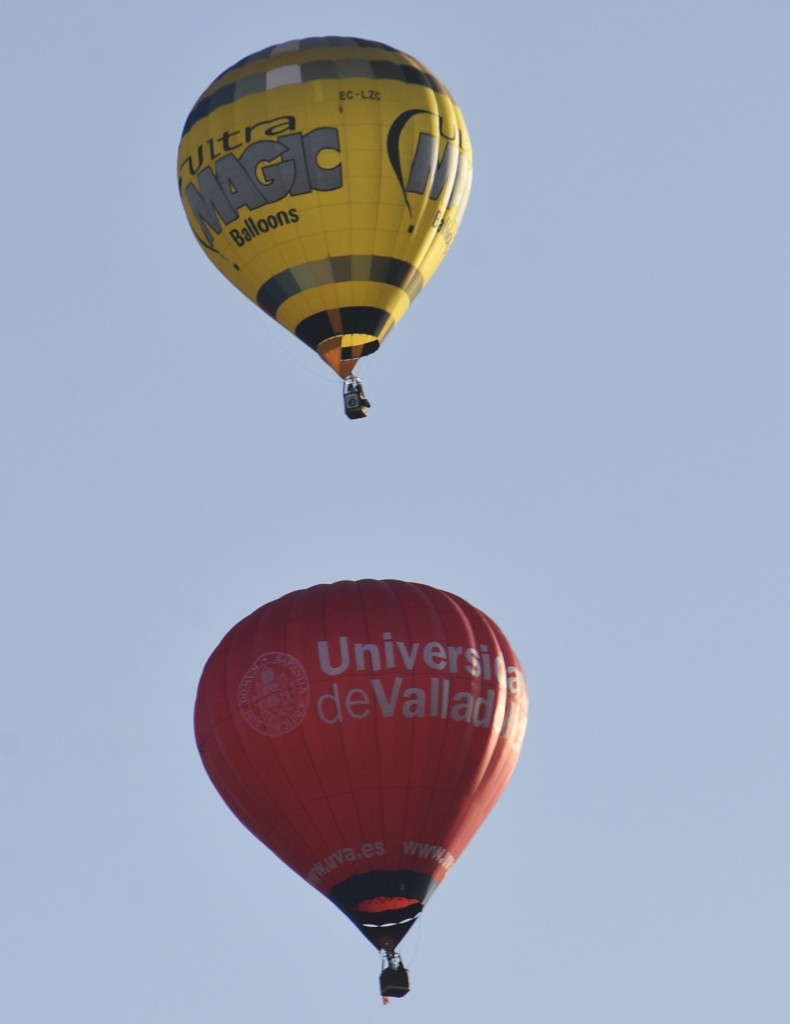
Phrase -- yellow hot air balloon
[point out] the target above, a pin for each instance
(326, 178)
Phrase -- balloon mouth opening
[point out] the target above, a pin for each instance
(382, 903)
(386, 921)
(342, 351)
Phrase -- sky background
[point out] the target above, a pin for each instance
(581, 427)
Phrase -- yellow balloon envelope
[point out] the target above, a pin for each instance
(326, 178)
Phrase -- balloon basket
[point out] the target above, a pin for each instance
(394, 978)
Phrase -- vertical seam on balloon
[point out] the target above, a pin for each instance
(395, 599)
(240, 794)
(319, 774)
(425, 596)
(380, 824)
(479, 630)
(257, 640)
(504, 761)
(303, 806)
(244, 797)
(489, 755)
(428, 596)
(344, 744)
(437, 241)
(494, 770)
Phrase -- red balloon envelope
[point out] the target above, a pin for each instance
(363, 731)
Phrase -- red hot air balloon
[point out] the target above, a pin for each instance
(363, 730)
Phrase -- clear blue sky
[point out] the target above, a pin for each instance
(581, 426)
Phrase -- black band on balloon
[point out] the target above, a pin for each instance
(334, 270)
(347, 320)
(354, 63)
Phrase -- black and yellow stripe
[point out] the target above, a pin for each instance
(296, 64)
